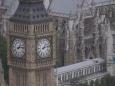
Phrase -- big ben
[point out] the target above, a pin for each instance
(31, 45)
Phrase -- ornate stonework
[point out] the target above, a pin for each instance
(29, 24)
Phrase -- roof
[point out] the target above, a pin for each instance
(30, 12)
(76, 66)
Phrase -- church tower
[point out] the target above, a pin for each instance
(31, 45)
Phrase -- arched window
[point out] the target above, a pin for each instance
(100, 50)
(78, 55)
(93, 49)
(86, 52)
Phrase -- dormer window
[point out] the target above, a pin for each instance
(23, 9)
(33, 17)
(34, 10)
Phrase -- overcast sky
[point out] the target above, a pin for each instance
(63, 5)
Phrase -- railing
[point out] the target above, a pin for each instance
(81, 72)
(78, 73)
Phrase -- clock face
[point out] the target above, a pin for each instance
(43, 48)
(18, 48)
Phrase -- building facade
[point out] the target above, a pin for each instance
(88, 35)
(38, 42)
(95, 35)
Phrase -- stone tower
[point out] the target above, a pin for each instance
(31, 45)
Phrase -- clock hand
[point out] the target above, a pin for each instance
(45, 47)
(20, 47)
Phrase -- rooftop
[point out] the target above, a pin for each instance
(88, 62)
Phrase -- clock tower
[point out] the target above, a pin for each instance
(31, 45)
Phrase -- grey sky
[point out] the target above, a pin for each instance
(61, 6)
(68, 6)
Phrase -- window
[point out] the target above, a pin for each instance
(86, 52)
(33, 17)
(37, 9)
(37, 16)
(59, 78)
(85, 71)
(16, 15)
(42, 8)
(19, 15)
(42, 15)
(46, 15)
(23, 9)
(27, 9)
(27, 17)
(80, 73)
(100, 49)
(34, 10)
(23, 16)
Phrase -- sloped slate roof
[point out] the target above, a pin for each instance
(73, 67)
(30, 12)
